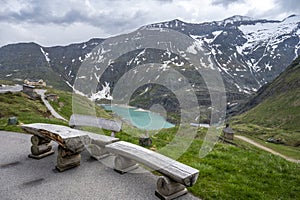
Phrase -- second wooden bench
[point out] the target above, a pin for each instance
(176, 175)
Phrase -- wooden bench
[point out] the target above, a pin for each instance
(77, 120)
(176, 175)
(71, 143)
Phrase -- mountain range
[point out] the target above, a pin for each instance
(248, 53)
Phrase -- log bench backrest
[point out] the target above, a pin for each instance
(101, 140)
(175, 170)
(93, 121)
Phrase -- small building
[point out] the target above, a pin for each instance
(36, 83)
(29, 90)
(228, 133)
(52, 97)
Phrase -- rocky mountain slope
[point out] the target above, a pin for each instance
(277, 104)
(56, 65)
(248, 53)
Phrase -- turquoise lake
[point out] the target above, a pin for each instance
(142, 119)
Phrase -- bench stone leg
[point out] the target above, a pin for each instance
(67, 159)
(41, 147)
(168, 189)
(97, 152)
(124, 165)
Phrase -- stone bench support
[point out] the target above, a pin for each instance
(41, 147)
(168, 189)
(97, 145)
(123, 165)
(67, 159)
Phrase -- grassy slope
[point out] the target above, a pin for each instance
(228, 172)
(82, 105)
(25, 109)
(278, 114)
(243, 173)
(280, 111)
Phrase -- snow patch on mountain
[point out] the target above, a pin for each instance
(270, 33)
(102, 94)
(45, 54)
(195, 47)
(75, 90)
(145, 91)
(233, 19)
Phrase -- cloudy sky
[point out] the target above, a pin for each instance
(61, 22)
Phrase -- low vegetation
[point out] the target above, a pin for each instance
(228, 172)
(82, 105)
(6, 82)
(25, 109)
(279, 112)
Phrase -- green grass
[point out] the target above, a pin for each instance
(293, 152)
(244, 172)
(228, 172)
(260, 134)
(69, 103)
(25, 109)
(281, 111)
(6, 82)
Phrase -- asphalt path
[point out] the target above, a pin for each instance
(25, 178)
(15, 88)
(47, 104)
(18, 88)
(266, 148)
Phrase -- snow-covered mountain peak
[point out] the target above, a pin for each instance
(234, 19)
(176, 23)
(292, 19)
(237, 18)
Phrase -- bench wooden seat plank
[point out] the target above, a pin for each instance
(68, 138)
(175, 170)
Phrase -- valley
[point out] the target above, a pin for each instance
(247, 52)
(259, 66)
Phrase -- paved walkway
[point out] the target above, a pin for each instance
(266, 148)
(24, 178)
(47, 104)
(9, 88)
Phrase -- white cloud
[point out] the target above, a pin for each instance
(52, 22)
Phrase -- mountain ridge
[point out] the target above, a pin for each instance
(248, 53)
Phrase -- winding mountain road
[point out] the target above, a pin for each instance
(47, 104)
(266, 148)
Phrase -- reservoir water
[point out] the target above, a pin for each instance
(142, 119)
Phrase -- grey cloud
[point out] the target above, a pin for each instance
(40, 12)
(225, 3)
(281, 10)
(165, 1)
(289, 6)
